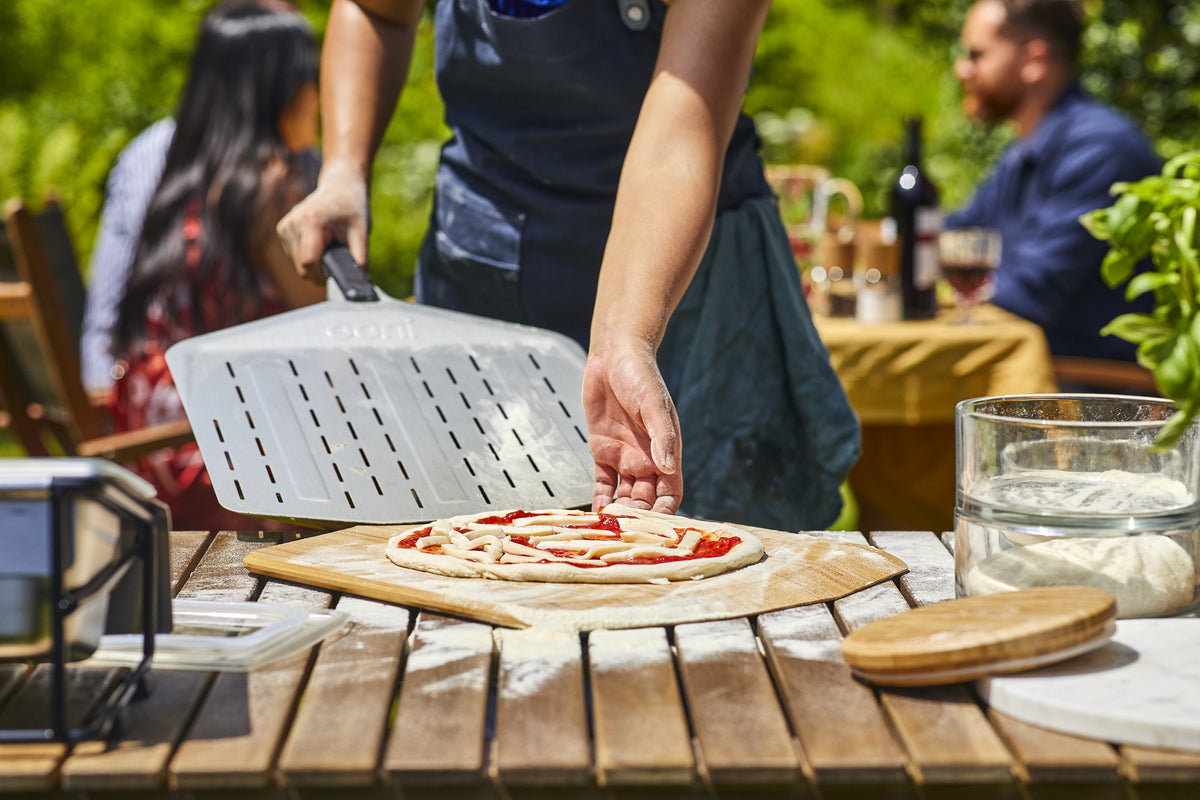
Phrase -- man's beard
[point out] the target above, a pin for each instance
(988, 109)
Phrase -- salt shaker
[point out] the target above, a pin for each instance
(879, 297)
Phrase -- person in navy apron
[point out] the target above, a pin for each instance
(602, 181)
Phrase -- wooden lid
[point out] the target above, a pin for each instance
(971, 637)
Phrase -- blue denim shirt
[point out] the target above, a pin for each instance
(1050, 265)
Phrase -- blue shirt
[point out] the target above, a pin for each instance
(1050, 265)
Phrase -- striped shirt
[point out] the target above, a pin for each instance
(131, 185)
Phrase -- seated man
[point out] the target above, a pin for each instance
(1020, 65)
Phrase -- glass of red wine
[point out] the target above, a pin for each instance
(969, 260)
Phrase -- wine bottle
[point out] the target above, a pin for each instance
(918, 223)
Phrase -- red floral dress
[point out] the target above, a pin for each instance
(145, 393)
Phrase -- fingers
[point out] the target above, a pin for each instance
(638, 492)
(356, 240)
(606, 486)
(662, 426)
(626, 476)
(668, 493)
(304, 240)
(335, 211)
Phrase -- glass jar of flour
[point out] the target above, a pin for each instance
(1069, 489)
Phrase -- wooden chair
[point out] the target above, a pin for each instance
(41, 312)
(1101, 374)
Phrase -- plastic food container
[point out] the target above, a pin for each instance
(1069, 490)
(226, 636)
(72, 531)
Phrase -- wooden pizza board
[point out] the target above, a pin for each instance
(797, 569)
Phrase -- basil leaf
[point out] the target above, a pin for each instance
(1096, 223)
(1172, 430)
(1178, 372)
(1138, 328)
(1148, 282)
(1117, 267)
(1124, 217)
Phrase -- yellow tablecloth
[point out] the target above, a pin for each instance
(903, 380)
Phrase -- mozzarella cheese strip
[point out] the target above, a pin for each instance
(431, 540)
(651, 526)
(461, 541)
(631, 553)
(581, 518)
(590, 548)
(515, 552)
(516, 548)
(509, 558)
(645, 538)
(511, 530)
(474, 531)
(468, 555)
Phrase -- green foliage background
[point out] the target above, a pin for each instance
(832, 83)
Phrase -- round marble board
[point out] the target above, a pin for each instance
(1142, 688)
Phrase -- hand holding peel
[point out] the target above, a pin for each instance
(335, 211)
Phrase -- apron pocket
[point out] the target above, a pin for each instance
(472, 227)
(475, 263)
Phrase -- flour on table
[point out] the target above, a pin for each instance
(532, 657)
(632, 650)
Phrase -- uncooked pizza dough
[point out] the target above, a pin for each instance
(1149, 575)
(620, 545)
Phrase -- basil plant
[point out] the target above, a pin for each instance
(1156, 217)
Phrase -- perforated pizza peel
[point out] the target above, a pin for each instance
(973, 637)
(364, 408)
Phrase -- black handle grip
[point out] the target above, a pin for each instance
(355, 284)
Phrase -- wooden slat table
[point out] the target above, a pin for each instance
(407, 703)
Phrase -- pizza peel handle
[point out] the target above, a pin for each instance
(351, 279)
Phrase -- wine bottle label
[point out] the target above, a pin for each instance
(926, 263)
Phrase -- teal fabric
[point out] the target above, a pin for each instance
(768, 435)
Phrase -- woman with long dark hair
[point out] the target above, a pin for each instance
(208, 257)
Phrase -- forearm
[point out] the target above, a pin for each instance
(364, 63)
(667, 195)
